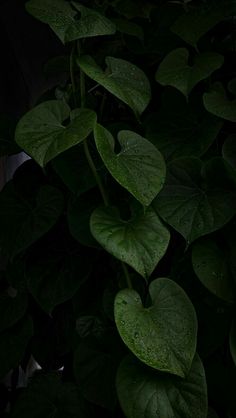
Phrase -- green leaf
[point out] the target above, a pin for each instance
(128, 28)
(196, 199)
(229, 150)
(23, 221)
(179, 129)
(140, 242)
(175, 71)
(13, 343)
(61, 17)
(197, 21)
(143, 392)
(73, 169)
(210, 266)
(138, 167)
(48, 396)
(54, 276)
(122, 79)
(163, 335)
(217, 103)
(13, 305)
(42, 135)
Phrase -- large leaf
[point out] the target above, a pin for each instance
(122, 78)
(144, 392)
(138, 166)
(197, 21)
(13, 305)
(48, 396)
(217, 102)
(23, 221)
(163, 335)
(229, 150)
(61, 17)
(13, 343)
(54, 276)
(140, 242)
(175, 70)
(179, 129)
(210, 266)
(41, 132)
(196, 200)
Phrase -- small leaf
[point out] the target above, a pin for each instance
(197, 21)
(61, 17)
(143, 392)
(122, 79)
(229, 150)
(13, 305)
(23, 221)
(164, 335)
(175, 71)
(210, 266)
(216, 102)
(140, 242)
(48, 396)
(41, 132)
(129, 28)
(179, 129)
(13, 343)
(138, 167)
(196, 200)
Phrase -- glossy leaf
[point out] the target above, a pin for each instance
(179, 129)
(229, 150)
(138, 166)
(196, 200)
(210, 266)
(42, 135)
(23, 221)
(13, 305)
(47, 396)
(13, 343)
(217, 103)
(140, 242)
(197, 21)
(122, 79)
(61, 17)
(144, 392)
(175, 70)
(163, 335)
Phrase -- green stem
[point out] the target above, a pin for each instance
(127, 276)
(72, 75)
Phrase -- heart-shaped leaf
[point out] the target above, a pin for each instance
(164, 335)
(122, 78)
(229, 150)
(144, 392)
(210, 266)
(13, 343)
(23, 221)
(42, 135)
(197, 21)
(217, 102)
(139, 167)
(61, 17)
(140, 242)
(13, 305)
(179, 128)
(196, 200)
(175, 71)
(48, 396)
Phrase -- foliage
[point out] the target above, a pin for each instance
(117, 237)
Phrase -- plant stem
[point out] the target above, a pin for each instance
(127, 276)
(72, 76)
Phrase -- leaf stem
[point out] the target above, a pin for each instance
(127, 276)
(72, 75)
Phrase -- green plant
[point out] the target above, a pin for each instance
(118, 236)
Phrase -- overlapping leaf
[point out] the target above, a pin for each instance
(217, 103)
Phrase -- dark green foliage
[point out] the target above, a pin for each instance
(117, 238)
